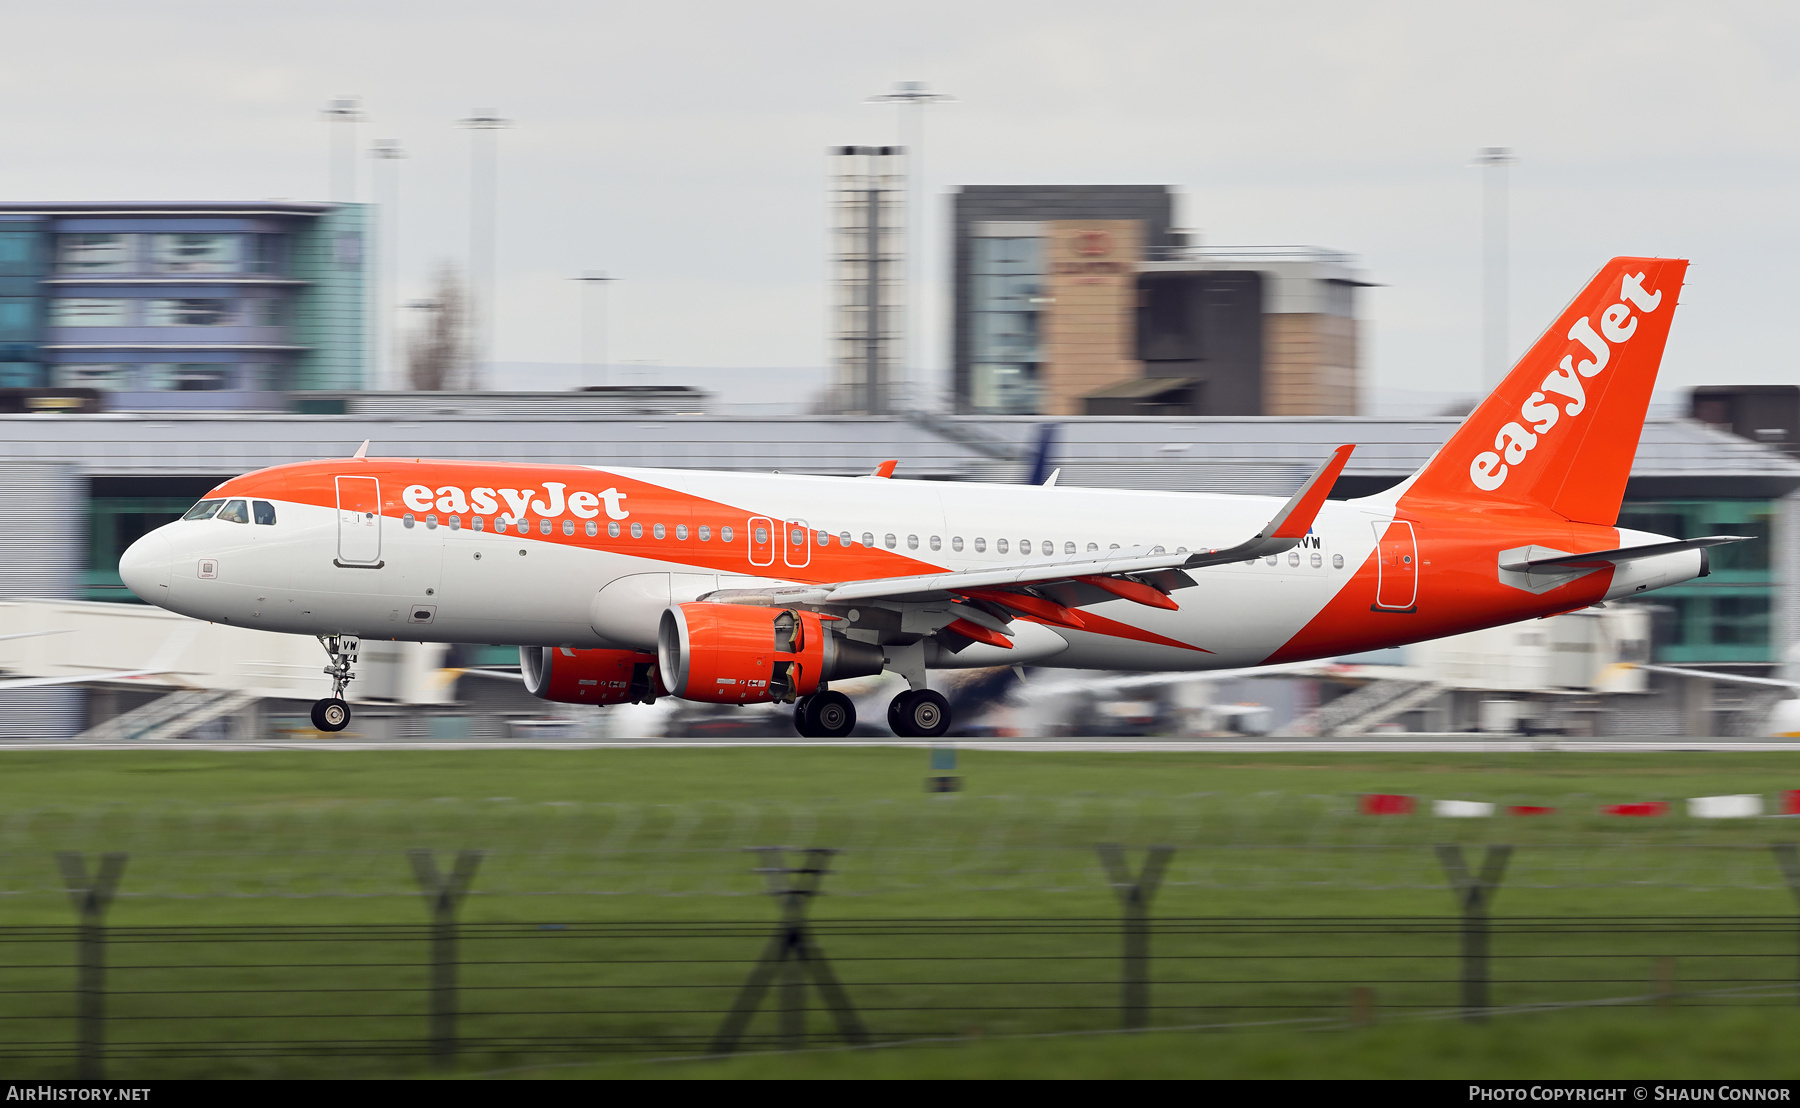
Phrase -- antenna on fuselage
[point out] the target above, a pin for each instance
(362, 451)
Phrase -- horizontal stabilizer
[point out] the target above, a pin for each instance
(1600, 559)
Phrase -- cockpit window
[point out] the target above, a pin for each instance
(265, 512)
(235, 512)
(203, 510)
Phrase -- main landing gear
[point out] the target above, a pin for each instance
(919, 714)
(332, 713)
(825, 715)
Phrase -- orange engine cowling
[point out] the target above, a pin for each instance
(738, 654)
(570, 676)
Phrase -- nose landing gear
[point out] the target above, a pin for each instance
(332, 713)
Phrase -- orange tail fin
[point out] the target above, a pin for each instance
(1560, 433)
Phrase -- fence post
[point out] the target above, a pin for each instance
(1474, 892)
(791, 953)
(444, 892)
(1135, 894)
(91, 898)
(1788, 858)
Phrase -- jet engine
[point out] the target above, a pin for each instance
(570, 676)
(738, 654)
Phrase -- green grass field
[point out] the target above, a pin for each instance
(596, 861)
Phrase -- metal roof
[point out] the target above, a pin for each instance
(1676, 458)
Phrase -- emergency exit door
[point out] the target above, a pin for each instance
(359, 521)
(1397, 567)
(762, 541)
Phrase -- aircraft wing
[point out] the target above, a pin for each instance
(1146, 570)
(1600, 559)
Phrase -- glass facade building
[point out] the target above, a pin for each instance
(1727, 616)
(184, 305)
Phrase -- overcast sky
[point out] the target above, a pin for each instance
(681, 146)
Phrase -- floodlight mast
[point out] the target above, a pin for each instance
(596, 282)
(914, 95)
(1494, 162)
(343, 113)
(483, 188)
(390, 364)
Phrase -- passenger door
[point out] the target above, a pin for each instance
(359, 521)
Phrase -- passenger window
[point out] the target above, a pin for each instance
(431, 521)
(999, 546)
(725, 534)
(956, 543)
(235, 511)
(824, 538)
(705, 533)
(568, 527)
(844, 538)
(1337, 561)
(543, 527)
(203, 510)
(1317, 559)
(593, 529)
(890, 540)
(265, 512)
(1068, 548)
(1294, 559)
(681, 532)
(868, 538)
(455, 523)
(478, 524)
(1092, 547)
(1158, 550)
(936, 543)
(912, 542)
(659, 531)
(980, 545)
(637, 530)
(612, 530)
(1270, 560)
(1024, 546)
(762, 534)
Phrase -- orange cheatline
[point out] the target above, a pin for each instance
(1133, 591)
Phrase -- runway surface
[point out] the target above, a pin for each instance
(1421, 744)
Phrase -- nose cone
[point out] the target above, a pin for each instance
(144, 567)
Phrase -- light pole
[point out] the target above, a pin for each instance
(483, 186)
(914, 95)
(1494, 161)
(387, 331)
(596, 282)
(343, 113)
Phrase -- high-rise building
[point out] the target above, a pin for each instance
(185, 305)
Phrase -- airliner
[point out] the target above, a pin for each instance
(627, 584)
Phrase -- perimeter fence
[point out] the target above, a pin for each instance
(363, 999)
